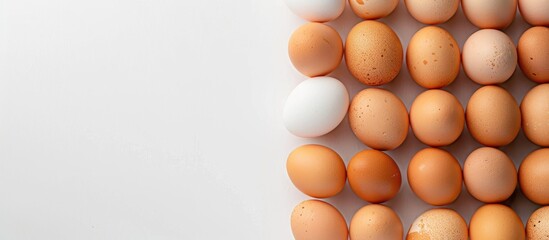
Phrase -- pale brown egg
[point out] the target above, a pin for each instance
(316, 170)
(374, 176)
(432, 11)
(379, 119)
(318, 220)
(315, 49)
(435, 176)
(535, 11)
(373, 9)
(437, 118)
(493, 116)
(534, 176)
(373, 53)
(535, 114)
(537, 226)
(489, 175)
(533, 53)
(375, 222)
(496, 222)
(433, 57)
(438, 224)
(496, 14)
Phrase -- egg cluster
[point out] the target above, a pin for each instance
(378, 118)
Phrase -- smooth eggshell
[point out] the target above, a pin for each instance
(535, 114)
(318, 220)
(534, 176)
(375, 221)
(533, 53)
(439, 223)
(496, 222)
(432, 11)
(496, 14)
(317, 10)
(537, 226)
(373, 9)
(535, 12)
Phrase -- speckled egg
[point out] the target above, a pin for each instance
(375, 221)
(537, 226)
(533, 53)
(440, 223)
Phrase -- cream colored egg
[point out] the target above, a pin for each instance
(432, 11)
(534, 176)
(535, 115)
(535, 12)
(438, 224)
(533, 53)
(318, 220)
(496, 222)
(375, 222)
(537, 226)
(496, 14)
(373, 9)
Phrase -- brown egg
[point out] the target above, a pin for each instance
(496, 222)
(496, 14)
(537, 226)
(489, 175)
(433, 57)
(534, 176)
(315, 219)
(533, 54)
(493, 116)
(316, 170)
(373, 9)
(379, 119)
(439, 223)
(375, 222)
(315, 49)
(437, 117)
(535, 114)
(434, 176)
(535, 11)
(374, 176)
(373, 53)
(432, 11)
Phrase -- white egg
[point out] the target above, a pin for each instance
(316, 107)
(317, 10)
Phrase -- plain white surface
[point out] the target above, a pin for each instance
(162, 119)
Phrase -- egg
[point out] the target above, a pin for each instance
(535, 114)
(316, 170)
(489, 57)
(315, 219)
(533, 53)
(374, 176)
(535, 11)
(375, 222)
(433, 57)
(379, 119)
(317, 10)
(315, 107)
(434, 176)
(432, 11)
(493, 116)
(315, 49)
(373, 53)
(437, 117)
(537, 226)
(489, 175)
(496, 14)
(439, 223)
(534, 176)
(373, 9)
(496, 222)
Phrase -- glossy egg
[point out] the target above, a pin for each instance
(438, 223)
(317, 10)
(375, 221)
(496, 222)
(535, 115)
(533, 53)
(496, 14)
(534, 176)
(535, 11)
(315, 219)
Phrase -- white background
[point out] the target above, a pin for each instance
(161, 119)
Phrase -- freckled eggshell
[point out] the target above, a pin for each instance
(496, 14)
(437, 117)
(373, 9)
(493, 116)
(537, 226)
(535, 11)
(317, 10)
(316, 170)
(438, 223)
(496, 222)
(534, 176)
(433, 57)
(489, 57)
(374, 176)
(373, 53)
(435, 176)
(375, 221)
(379, 119)
(490, 175)
(533, 53)
(432, 11)
(535, 114)
(318, 220)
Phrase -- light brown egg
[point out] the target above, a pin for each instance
(533, 53)
(379, 119)
(537, 226)
(315, 219)
(493, 116)
(373, 9)
(432, 11)
(373, 53)
(315, 49)
(535, 11)
(375, 222)
(374, 176)
(489, 175)
(496, 14)
(535, 114)
(434, 176)
(437, 117)
(316, 170)
(534, 176)
(438, 224)
(496, 222)
(433, 57)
